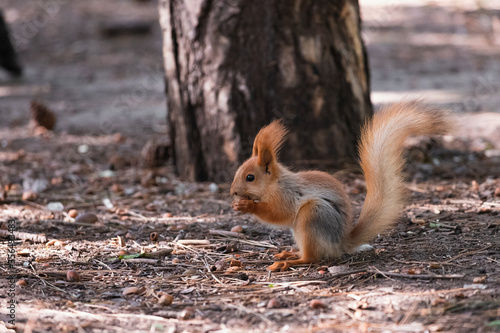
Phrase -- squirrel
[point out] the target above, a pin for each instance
(314, 205)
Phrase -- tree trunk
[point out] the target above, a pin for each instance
(8, 57)
(234, 65)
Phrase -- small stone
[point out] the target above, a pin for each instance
(83, 149)
(317, 304)
(167, 215)
(72, 276)
(55, 206)
(273, 303)
(73, 213)
(165, 299)
(497, 192)
(109, 205)
(116, 188)
(434, 265)
(237, 228)
(175, 261)
(21, 283)
(187, 313)
(213, 187)
(86, 218)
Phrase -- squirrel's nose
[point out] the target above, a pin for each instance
(233, 192)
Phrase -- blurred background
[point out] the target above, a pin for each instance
(98, 67)
(83, 132)
(99, 64)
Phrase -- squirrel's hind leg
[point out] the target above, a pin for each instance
(305, 239)
(284, 255)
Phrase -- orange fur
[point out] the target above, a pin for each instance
(381, 152)
(270, 137)
(313, 203)
(308, 253)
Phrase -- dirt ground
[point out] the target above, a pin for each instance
(149, 239)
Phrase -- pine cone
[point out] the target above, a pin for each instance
(42, 116)
(156, 152)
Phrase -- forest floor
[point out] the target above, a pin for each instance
(148, 235)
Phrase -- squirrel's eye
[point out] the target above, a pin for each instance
(250, 178)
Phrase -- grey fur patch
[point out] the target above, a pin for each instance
(328, 223)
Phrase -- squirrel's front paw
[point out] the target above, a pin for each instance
(244, 206)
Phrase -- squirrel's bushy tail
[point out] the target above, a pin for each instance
(381, 153)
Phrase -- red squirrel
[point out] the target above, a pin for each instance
(314, 205)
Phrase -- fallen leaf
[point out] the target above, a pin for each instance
(23, 253)
(133, 290)
(479, 279)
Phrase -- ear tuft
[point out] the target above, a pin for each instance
(269, 141)
(265, 159)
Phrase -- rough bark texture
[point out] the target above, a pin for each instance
(234, 65)
(8, 58)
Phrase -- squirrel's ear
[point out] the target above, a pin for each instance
(255, 150)
(270, 138)
(265, 158)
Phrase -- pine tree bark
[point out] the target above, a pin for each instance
(8, 57)
(234, 65)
